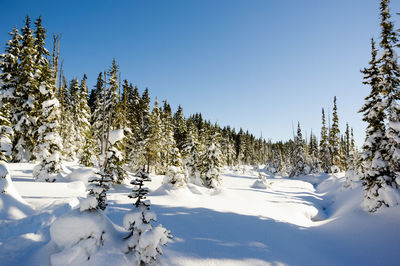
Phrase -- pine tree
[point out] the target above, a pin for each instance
(180, 129)
(390, 82)
(324, 146)
(67, 124)
(154, 139)
(49, 143)
(376, 167)
(97, 189)
(22, 120)
(114, 159)
(210, 162)
(299, 160)
(5, 132)
(334, 141)
(88, 153)
(138, 222)
(175, 175)
(191, 153)
(9, 70)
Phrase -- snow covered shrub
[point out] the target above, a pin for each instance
(100, 183)
(78, 236)
(143, 242)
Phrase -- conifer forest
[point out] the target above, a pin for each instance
(94, 174)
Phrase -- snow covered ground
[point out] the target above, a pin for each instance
(311, 220)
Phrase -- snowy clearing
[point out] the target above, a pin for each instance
(310, 220)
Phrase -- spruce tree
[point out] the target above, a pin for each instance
(324, 146)
(5, 132)
(299, 160)
(138, 223)
(97, 189)
(210, 162)
(334, 141)
(88, 153)
(23, 120)
(374, 154)
(390, 82)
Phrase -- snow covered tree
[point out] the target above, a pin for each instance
(382, 146)
(334, 141)
(390, 72)
(191, 153)
(143, 242)
(154, 139)
(210, 162)
(5, 132)
(49, 143)
(180, 129)
(175, 175)
(97, 189)
(24, 94)
(67, 125)
(88, 153)
(299, 160)
(324, 146)
(376, 167)
(9, 67)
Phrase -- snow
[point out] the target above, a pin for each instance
(116, 135)
(308, 220)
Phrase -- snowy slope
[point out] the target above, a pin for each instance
(304, 221)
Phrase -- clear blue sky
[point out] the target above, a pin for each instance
(254, 64)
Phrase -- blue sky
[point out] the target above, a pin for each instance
(260, 65)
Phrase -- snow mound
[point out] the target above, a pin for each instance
(12, 206)
(259, 184)
(85, 238)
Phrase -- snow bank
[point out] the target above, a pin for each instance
(82, 238)
(12, 206)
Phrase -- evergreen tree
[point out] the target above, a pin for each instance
(9, 70)
(299, 160)
(180, 129)
(5, 132)
(334, 140)
(390, 82)
(210, 162)
(24, 94)
(376, 167)
(88, 153)
(138, 222)
(191, 153)
(97, 189)
(324, 146)
(154, 139)
(175, 175)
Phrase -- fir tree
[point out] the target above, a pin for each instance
(138, 222)
(324, 146)
(97, 189)
(210, 162)
(22, 120)
(334, 140)
(390, 82)
(88, 152)
(299, 160)
(5, 132)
